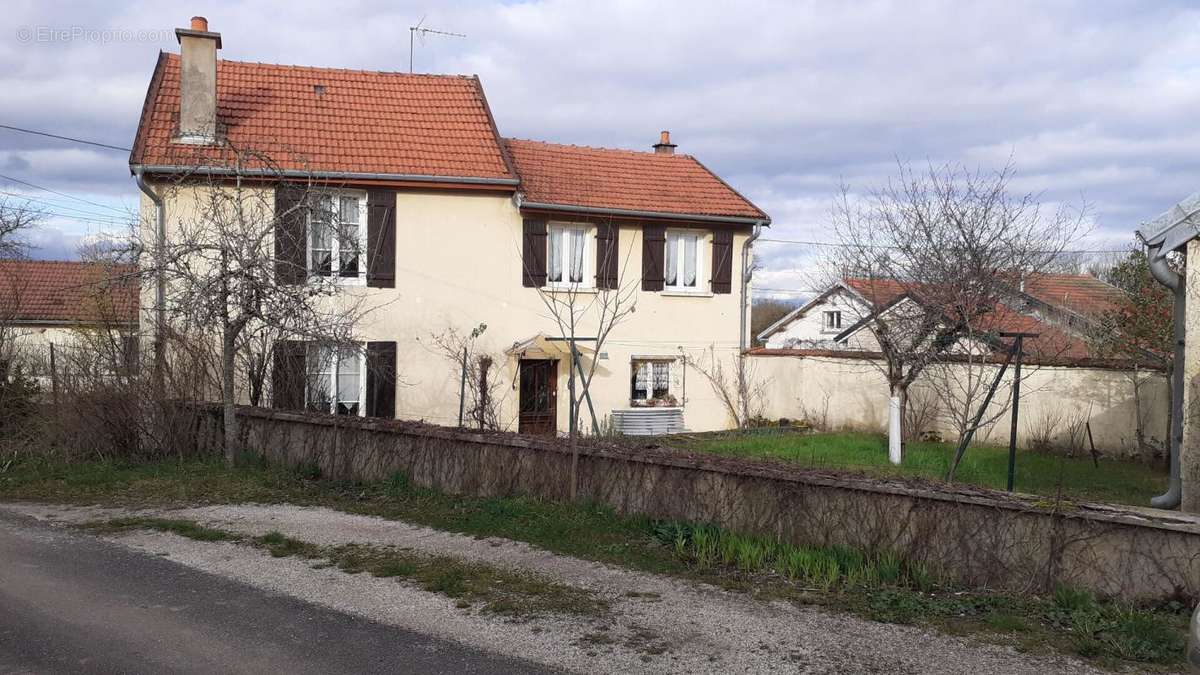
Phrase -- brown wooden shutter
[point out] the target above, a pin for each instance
(381, 379)
(533, 253)
(722, 261)
(291, 234)
(288, 375)
(607, 247)
(381, 238)
(654, 242)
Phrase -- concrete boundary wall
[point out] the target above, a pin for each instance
(977, 537)
(850, 392)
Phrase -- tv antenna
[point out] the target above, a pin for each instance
(419, 29)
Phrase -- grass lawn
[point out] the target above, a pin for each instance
(874, 585)
(987, 466)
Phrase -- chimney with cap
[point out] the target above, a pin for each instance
(664, 146)
(198, 82)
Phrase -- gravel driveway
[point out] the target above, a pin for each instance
(656, 624)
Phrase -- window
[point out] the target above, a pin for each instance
(682, 261)
(568, 258)
(335, 380)
(833, 320)
(651, 382)
(335, 236)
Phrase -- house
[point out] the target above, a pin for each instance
(461, 227)
(1059, 307)
(70, 305)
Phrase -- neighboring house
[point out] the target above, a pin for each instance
(1058, 307)
(71, 305)
(463, 227)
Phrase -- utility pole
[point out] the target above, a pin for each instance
(413, 31)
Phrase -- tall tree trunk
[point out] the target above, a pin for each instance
(227, 394)
(895, 425)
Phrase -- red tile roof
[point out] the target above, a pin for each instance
(572, 175)
(362, 121)
(71, 292)
(1080, 293)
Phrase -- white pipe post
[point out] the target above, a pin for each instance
(894, 430)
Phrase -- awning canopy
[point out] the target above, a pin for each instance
(542, 347)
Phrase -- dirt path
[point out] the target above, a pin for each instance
(656, 624)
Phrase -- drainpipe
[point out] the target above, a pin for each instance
(746, 274)
(160, 290)
(1174, 281)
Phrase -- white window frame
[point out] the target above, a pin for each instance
(562, 231)
(332, 375)
(831, 326)
(637, 364)
(701, 278)
(335, 252)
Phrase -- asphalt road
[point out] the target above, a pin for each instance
(70, 602)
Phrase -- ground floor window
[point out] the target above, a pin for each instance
(650, 382)
(335, 379)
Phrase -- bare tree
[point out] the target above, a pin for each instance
(227, 280)
(483, 392)
(939, 249)
(586, 315)
(739, 390)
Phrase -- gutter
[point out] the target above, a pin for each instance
(631, 213)
(747, 273)
(160, 284)
(1168, 277)
(138, 169)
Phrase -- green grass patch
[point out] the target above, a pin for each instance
(183, 528)
(494, 589)
(874, 585)
(1113, 480)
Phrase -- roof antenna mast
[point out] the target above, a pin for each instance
(419, 29)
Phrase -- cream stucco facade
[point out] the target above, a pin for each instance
(458, 265)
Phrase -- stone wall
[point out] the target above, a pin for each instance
(977, 537)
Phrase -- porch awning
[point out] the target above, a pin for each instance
(541, 347)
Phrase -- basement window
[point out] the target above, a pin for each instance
(336, 236)
(336, 382)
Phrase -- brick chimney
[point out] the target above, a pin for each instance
(198, 82)
(664, 146)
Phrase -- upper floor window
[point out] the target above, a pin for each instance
(569, 256)
(336, 382)
(682, 261)
(335, 235)
(832, 320)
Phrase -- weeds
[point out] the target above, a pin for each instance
(495, 590)
(879, 586)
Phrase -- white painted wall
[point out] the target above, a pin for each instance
(850, 393)
(807, 329)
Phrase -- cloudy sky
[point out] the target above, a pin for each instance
(1094, 102)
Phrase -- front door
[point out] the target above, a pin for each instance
(539, 397)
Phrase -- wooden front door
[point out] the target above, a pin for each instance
(539, 397)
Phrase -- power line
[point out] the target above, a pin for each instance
(64, 138)
(54, 204)
(834, 244)
(62, 194)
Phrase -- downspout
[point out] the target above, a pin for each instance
(160, 289)
(746, 274)
(1168, 277)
